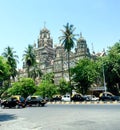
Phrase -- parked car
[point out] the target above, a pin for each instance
(93, 98)
(107, 96)
(35, 101)
(56, 98)
(78, 97)
(66, 98)
(16, 101)
(86, 98)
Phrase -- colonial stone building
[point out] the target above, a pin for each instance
(54, 58)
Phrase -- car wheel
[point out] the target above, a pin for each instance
(38, 104)
(42, 105)
(2, 106)
(23, 106)
(17, 106)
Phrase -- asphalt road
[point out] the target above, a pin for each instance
(62, 117)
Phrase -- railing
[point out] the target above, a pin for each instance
(97, 88)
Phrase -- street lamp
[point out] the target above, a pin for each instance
(104, 79)
(102, 54)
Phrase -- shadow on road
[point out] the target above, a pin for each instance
(7, 117)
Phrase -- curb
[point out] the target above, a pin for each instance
(84, 102)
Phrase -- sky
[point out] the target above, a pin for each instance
(22, 20)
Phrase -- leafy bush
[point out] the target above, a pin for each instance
(46, 89)
(24, 87)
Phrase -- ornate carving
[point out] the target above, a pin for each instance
(57, 57)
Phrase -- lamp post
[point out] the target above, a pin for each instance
(102, 54)
(104, 79)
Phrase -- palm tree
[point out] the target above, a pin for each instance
(35, 72)
(12, 60)
(29, 57)
(68, 41)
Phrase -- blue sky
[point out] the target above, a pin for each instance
(22, 20)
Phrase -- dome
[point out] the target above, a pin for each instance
(81, 39)
(44, 30)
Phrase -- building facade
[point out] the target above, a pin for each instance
(54, 58)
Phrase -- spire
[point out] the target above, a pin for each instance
(93, 49)
(34, 44)
(80, 34)
(81, 38)
(44, 24)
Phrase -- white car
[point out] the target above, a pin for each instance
(66, 98)
(93, 98)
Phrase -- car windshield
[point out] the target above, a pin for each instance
(33, 98)
(14, 99)
(9, 99)
(22, 99)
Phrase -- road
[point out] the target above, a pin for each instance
(62, 117)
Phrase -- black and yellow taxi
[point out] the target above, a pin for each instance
(108, 96)
(35, 100)
(15, 101)
(56, 98)
(78, 97)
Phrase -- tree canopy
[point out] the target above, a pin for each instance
(24, 87)
(68, 41)
(84, 74)
(112, 68)
(29, 57)
(4, 69)
(63, 87)
(12, 60)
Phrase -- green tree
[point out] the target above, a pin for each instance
(48, 77)
(35, 72)
(68, 41)
(112, 68)
(84, 74)
(100, 69)
(29, 57)
(4, 69)
(63, 87)
(12, 60)
(4, 74)
(24, 87)
(46, 89)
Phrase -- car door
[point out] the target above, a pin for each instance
(109, 97)
(28, 100)
(106, 97)
(13, 102)
(8, 102)
(34, 100)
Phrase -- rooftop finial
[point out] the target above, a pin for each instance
(93, 49)
(34, 44)
(44, 24)
(80, 34)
